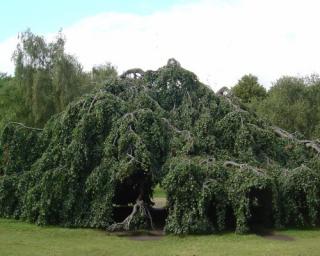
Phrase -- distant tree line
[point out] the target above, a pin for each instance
(292, 103)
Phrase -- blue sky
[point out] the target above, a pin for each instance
(49, 16)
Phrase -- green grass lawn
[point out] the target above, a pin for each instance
(159, 192)
(18, 238)
(159, 197)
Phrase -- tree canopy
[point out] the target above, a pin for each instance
(248, 89)
(222, 166)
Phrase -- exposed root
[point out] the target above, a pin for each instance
(140, 208)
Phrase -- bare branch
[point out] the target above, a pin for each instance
(223, 91)
(136, 72)
(173, 62)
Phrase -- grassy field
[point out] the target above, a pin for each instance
(17, 238)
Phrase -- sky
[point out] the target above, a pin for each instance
(219, 40)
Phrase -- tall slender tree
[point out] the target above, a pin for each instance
(48, 77)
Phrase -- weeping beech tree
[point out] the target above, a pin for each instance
(221, 166)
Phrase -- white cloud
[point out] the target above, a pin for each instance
(218, 40)
(7, 48)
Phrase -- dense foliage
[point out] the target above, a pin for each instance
(222, 166)
(292, 103)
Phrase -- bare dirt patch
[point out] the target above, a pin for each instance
(279, 237)
(273, 235)
(160, 202)
(142, 235)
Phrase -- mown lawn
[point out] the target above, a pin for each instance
(17, 238)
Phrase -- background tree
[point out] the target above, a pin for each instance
(313, 92)
(248, 89)
(11, 107)
(48, 77)
(293, 104)
(46, 80)
(102, 74)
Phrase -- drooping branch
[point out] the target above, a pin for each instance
(187, 134)
(302, 166)
(155, 102)
(226, 93)
(131, 114)
(189, 98)
(242, 167)
(134, 159)
(25, 127)
(207, 160)
(92, 102)
(313, 144)
(95, 99)
(172, 127)
(207, 183)
(282, 133)
(232, 163)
